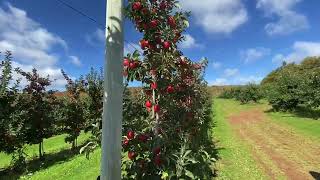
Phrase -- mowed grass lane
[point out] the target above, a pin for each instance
(278, 145)
(236, 161)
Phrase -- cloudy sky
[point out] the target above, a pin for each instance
(243, 39)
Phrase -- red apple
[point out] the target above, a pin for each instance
(133, 65)
(170, 89)
(166, 45)
(148, 104)
(131, 155)
(136, 6)
(153, 23)
(172, 21)
(156, 108)
(126, 62)
(154, 85)
(163, 5)
(144, 44)
(125, 142)
(130, 134)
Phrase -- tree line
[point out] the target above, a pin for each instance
(32, 113)
(291, 87)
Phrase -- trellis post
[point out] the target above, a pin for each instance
(113, 92)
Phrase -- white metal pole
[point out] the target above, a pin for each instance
(113, 89)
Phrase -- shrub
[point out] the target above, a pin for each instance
(248, 93)
(229, 93)
(294, 85)
(284, 93)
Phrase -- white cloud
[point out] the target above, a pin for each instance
(28, 41)
(231, 72)
(288, 21)
(216, 65)
(75, 60)
(301, 50)
(189, 42)
(239, 80)
(247, 79)
(217, 16)
(96, 38)
(30, 44)
(218, 82)
(254, 54)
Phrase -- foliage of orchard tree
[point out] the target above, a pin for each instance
(72, 110)
(248, 93)
(133, 110)
(93, 100)
(244, 94)
(311, 89)
(230, 93)
(11, 138)
(166, 144)
(294, 85)
(36, 103)
(284, 93)
(272, 77)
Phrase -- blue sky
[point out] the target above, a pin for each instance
(243, 39)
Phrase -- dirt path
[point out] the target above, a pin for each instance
(280, 152)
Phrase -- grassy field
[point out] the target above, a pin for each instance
(238, 155)
(236, 161)
(60, 162)
(51, 145)
(76, 168)
(306, 126)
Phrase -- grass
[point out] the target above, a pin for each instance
(51, 145)
(75, 168)
(236, 161)
(305, 126)
(59, 159)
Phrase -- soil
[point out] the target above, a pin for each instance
(279, 151)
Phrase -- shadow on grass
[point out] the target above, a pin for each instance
(315, 175)
(37, 164)
(307, 113)
(301, 112)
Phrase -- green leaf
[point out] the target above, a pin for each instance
(186, 23)
(187, 153)
(189, 174)
(165, 175)
(136, 54)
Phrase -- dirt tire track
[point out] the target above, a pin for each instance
(292, 155)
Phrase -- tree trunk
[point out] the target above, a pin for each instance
(40, 150)
(73, 143)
